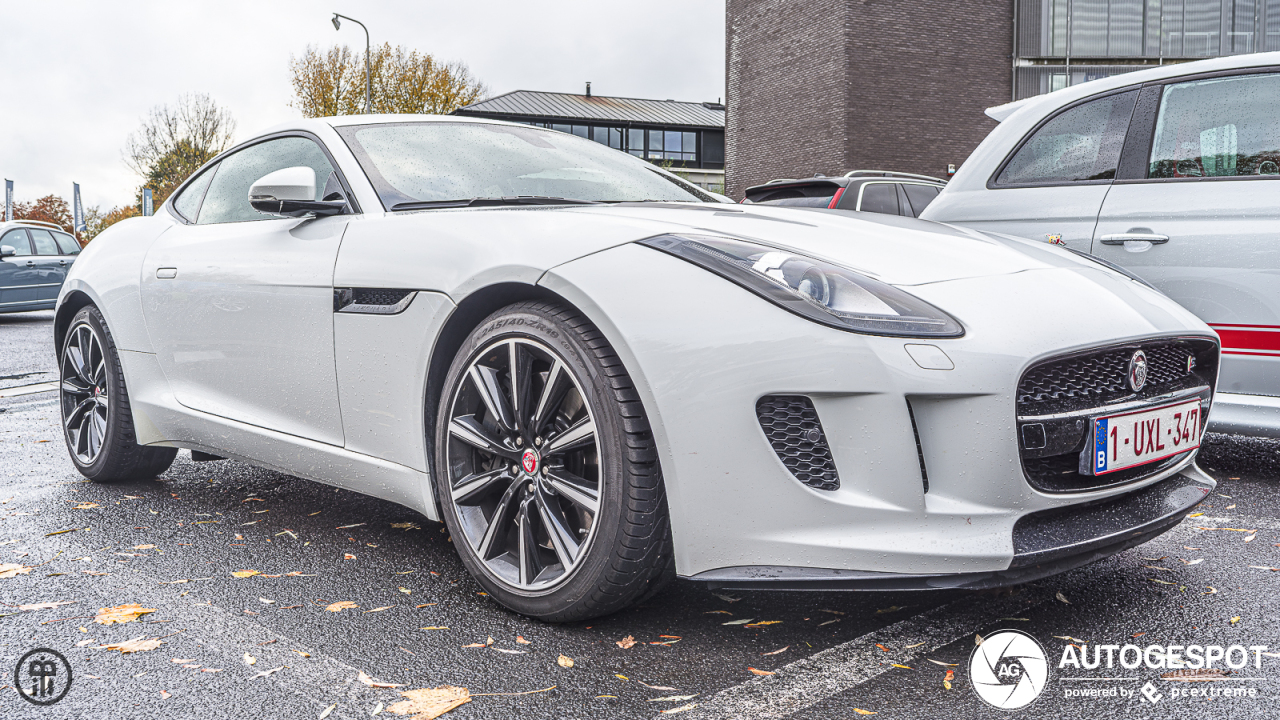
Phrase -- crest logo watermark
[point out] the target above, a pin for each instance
(1008, 670)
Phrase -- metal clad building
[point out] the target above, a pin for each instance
(688, 137)
(827, 87)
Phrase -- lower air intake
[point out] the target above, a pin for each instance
(791, 424)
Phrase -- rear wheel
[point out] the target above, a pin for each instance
(97, 422)
(546, 469)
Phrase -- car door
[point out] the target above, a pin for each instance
(239, 305)
(18, 274)
(50, 266)
(1200, 216)
(1052, 185)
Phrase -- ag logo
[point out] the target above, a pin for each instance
(1008, 670)
(42, 676)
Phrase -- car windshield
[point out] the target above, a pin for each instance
(425, 162)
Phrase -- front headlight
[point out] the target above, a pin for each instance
(825, 293)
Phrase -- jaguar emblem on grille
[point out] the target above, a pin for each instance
(1138, 371)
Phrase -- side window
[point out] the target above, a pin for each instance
(188, 203)
(67, 244)
(228, 197)
(43, 242)
(1218, 128)
(920, 196)
(17, 239)
(1079, 145)
(879, 198)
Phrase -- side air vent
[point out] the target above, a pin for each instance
(791, 424)
(372, 301)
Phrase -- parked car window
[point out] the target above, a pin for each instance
(67, 244)
(1079, 145)
(188, 201)
(879, 198)
(17, 239)
(920, 196)
(43, 241)
(1218, 128)
(228, 197)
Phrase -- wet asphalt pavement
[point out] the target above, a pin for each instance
(174, 544)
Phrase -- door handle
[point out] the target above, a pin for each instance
(62, 263)
(166, 273)
(1122, 238)
(31, 263)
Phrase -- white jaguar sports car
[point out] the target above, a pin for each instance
(601, 377)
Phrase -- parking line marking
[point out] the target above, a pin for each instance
(809, 681)
(28, 389)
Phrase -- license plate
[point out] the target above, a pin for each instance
(1136, 438)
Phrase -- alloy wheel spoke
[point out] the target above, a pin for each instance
(562, 539)
(495, 400)
(580, 433)
(474, 485)
(553, 392)
(527, 555)
(74, 386)
(498, 523)
(578, 490)
(520, 362)
(470, 431)
(76, 416)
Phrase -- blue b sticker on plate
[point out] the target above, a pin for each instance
(1100, 446)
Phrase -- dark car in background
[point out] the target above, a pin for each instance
(879, 191)
(34, 259)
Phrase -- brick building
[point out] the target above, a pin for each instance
(831, 86)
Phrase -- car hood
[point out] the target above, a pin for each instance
(897, 250)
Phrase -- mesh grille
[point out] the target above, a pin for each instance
(791, 424)
(1099, 378)
(377, 296)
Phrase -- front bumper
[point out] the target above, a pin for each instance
(1045, 543)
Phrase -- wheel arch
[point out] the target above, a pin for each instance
(67, 309)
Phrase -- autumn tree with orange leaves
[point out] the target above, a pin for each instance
(332, 82)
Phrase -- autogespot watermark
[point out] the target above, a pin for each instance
(42, 676)
(1010, 670)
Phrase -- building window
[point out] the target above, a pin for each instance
(635, 142)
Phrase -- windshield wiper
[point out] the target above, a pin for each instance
(490, 202)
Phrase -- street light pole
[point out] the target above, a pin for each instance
(368, 82)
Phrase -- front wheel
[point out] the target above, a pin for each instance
(546, 469)
(96, 420)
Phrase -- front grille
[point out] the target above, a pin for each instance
(791, 424)
(1094, 380)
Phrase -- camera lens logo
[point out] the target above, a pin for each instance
(1008, 670)
(42, 676)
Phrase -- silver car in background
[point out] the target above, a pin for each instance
(34, 259)
(1172, 173)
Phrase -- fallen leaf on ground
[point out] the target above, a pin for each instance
(1210, 590)
(1235, 620)
(738, 622)
(184, 662)
(977, 639)
(8, 570)
(364, 678)
(520, 639)
(680, 709)
(349, 556)
(904, 667)
(564, 661)
(726, 598)
(435, 627)
(266, 673)
(406, 591)
(775, 652)
(629, 641)
(245, 573)
(46, 605)
(1162, 582)
(303, 654)
(1063, 598)
(833, 612)
(138, 644)
(472, 645)
(430, 704)
(341, 605)
(121, 614)
(674, 698)
(327, 710)
(143, 547)
(86, 506)
(620, 677)
(762, 623)
(656, 687)
(754, 671)
(943, 664)
(892, 609)
(406, 526)
(164, 695)
(249, 659)
(860, 711)
(717, 612)
(384, 607)
(882, 647)
(512, 652)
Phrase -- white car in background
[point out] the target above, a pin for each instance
(1172, 173)
(599, 378)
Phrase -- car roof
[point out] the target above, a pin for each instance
(7, 224)
(846, 181)
(314, 124)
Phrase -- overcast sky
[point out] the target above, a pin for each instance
(79, 76)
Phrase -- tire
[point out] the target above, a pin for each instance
(97, 422)
(516, 502)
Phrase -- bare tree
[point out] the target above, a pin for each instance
(194, 125)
